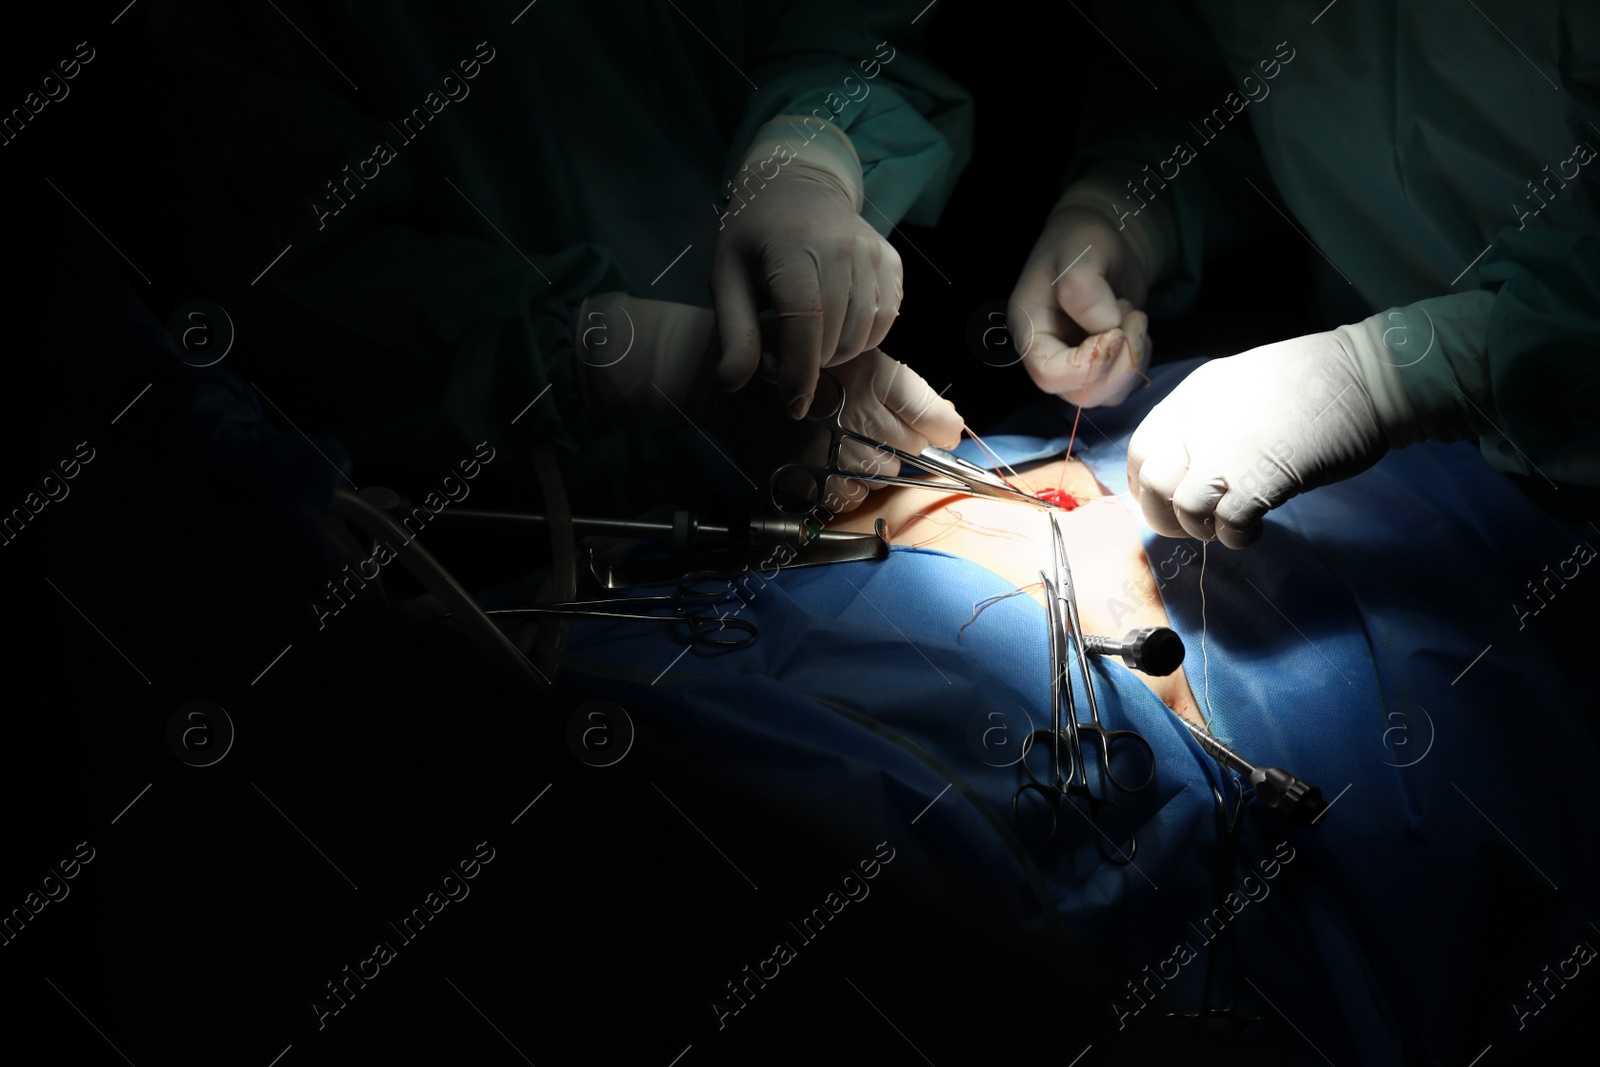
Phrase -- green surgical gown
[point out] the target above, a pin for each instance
(1440, 157)
(450, 183)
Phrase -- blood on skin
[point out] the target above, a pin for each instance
(1059, 497)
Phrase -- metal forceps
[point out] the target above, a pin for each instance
(793, 481)
(716, 632)
(1070, 774)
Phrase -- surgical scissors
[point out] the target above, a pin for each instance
(720, 632)
(1070, 772)
(794, 481)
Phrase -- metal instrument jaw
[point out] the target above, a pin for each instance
(827, 547)
(976, 480)
(1074, 783)
(792, 485)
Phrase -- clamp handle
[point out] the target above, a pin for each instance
(1297, 799)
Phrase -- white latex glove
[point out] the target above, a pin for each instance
(656, 363)
(645, 362)
(1243, 434)
(884, 399)
(889, 402)
(793, 240)
(1073, 313)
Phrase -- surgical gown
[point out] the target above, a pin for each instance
(1440, 158)
(445, 184)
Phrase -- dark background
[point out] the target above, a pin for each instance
(1029, 98)
(208, 918)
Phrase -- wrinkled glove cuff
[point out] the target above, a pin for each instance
(805, 146)
(1419, 369)
(644, 363)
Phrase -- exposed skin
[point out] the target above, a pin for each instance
(1013, 541)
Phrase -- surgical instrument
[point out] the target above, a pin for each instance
(685, 530)
(1061, 610)
(792, 484)
(1298, 800)
(371, 520)
(1159, 651)
(831, 547)
(1154, 650)
(716, 631)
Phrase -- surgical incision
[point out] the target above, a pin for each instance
(1117, 587)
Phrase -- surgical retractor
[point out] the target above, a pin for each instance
(1298, 800)
(1154, 650)
(1158, 650)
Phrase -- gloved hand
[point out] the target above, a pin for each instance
(1243, 434)
(793, 240)
(884, 399)
(1073, 313)
(656, 363)
(645, 362)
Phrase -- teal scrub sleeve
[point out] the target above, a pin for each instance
(1163, 96)
(1517, 361)
(852, 64)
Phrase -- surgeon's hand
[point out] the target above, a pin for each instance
(644, 362)
(884, 399)
(1243, 434)
(793, 240)
(1074, 312)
